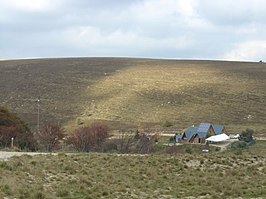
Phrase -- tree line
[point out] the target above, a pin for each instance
(52, 137)
(96, 137)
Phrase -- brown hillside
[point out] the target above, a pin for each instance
(134, 91)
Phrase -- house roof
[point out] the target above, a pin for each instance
(190, 132)
(179, 136)
(203, 129)
(217, 129)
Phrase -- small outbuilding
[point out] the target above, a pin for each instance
(218, 138)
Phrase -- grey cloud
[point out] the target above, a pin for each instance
(142, 28)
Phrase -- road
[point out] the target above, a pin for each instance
(5, 155)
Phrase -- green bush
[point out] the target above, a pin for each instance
(188, 150)
(167, 124)
(238, 151)
(247, 136)
(239, 145)
(172, 139)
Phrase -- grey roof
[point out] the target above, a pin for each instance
(179, 136)
(204, 127)
(190, 132)
(217, 129)
(202, 130)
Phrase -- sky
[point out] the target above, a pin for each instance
(174, 29)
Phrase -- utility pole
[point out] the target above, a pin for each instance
(38, 114)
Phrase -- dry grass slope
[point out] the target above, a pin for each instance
(214, 175)
(138, 90)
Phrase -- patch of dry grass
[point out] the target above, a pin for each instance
(93, 175)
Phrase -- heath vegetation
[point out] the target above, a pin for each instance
(78, 91)
(101, 175)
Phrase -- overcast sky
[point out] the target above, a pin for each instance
(190, 29)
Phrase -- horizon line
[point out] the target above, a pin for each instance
(128, 57)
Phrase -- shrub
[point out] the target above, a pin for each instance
(50, 136)
(136, 142)
(188, 150)
(238, 151)
(126, 141)
(145, 143)
(100, 132)
(13, 126)
(247, 136)
(86, 139)
(239, 145)
(167, 124)
(109, 146)
(217, 149)
(7, 133)
(172, 139)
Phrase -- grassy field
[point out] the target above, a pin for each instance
(135, 91)
(92, 175)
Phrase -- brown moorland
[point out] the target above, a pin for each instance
(135, 91)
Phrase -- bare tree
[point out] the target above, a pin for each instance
(86, 139)
(50, 136)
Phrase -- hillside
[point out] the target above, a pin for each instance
(136, 91)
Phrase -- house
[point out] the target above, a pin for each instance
(199, 134)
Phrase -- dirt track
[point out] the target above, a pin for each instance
(5, 155)
(224, 144)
